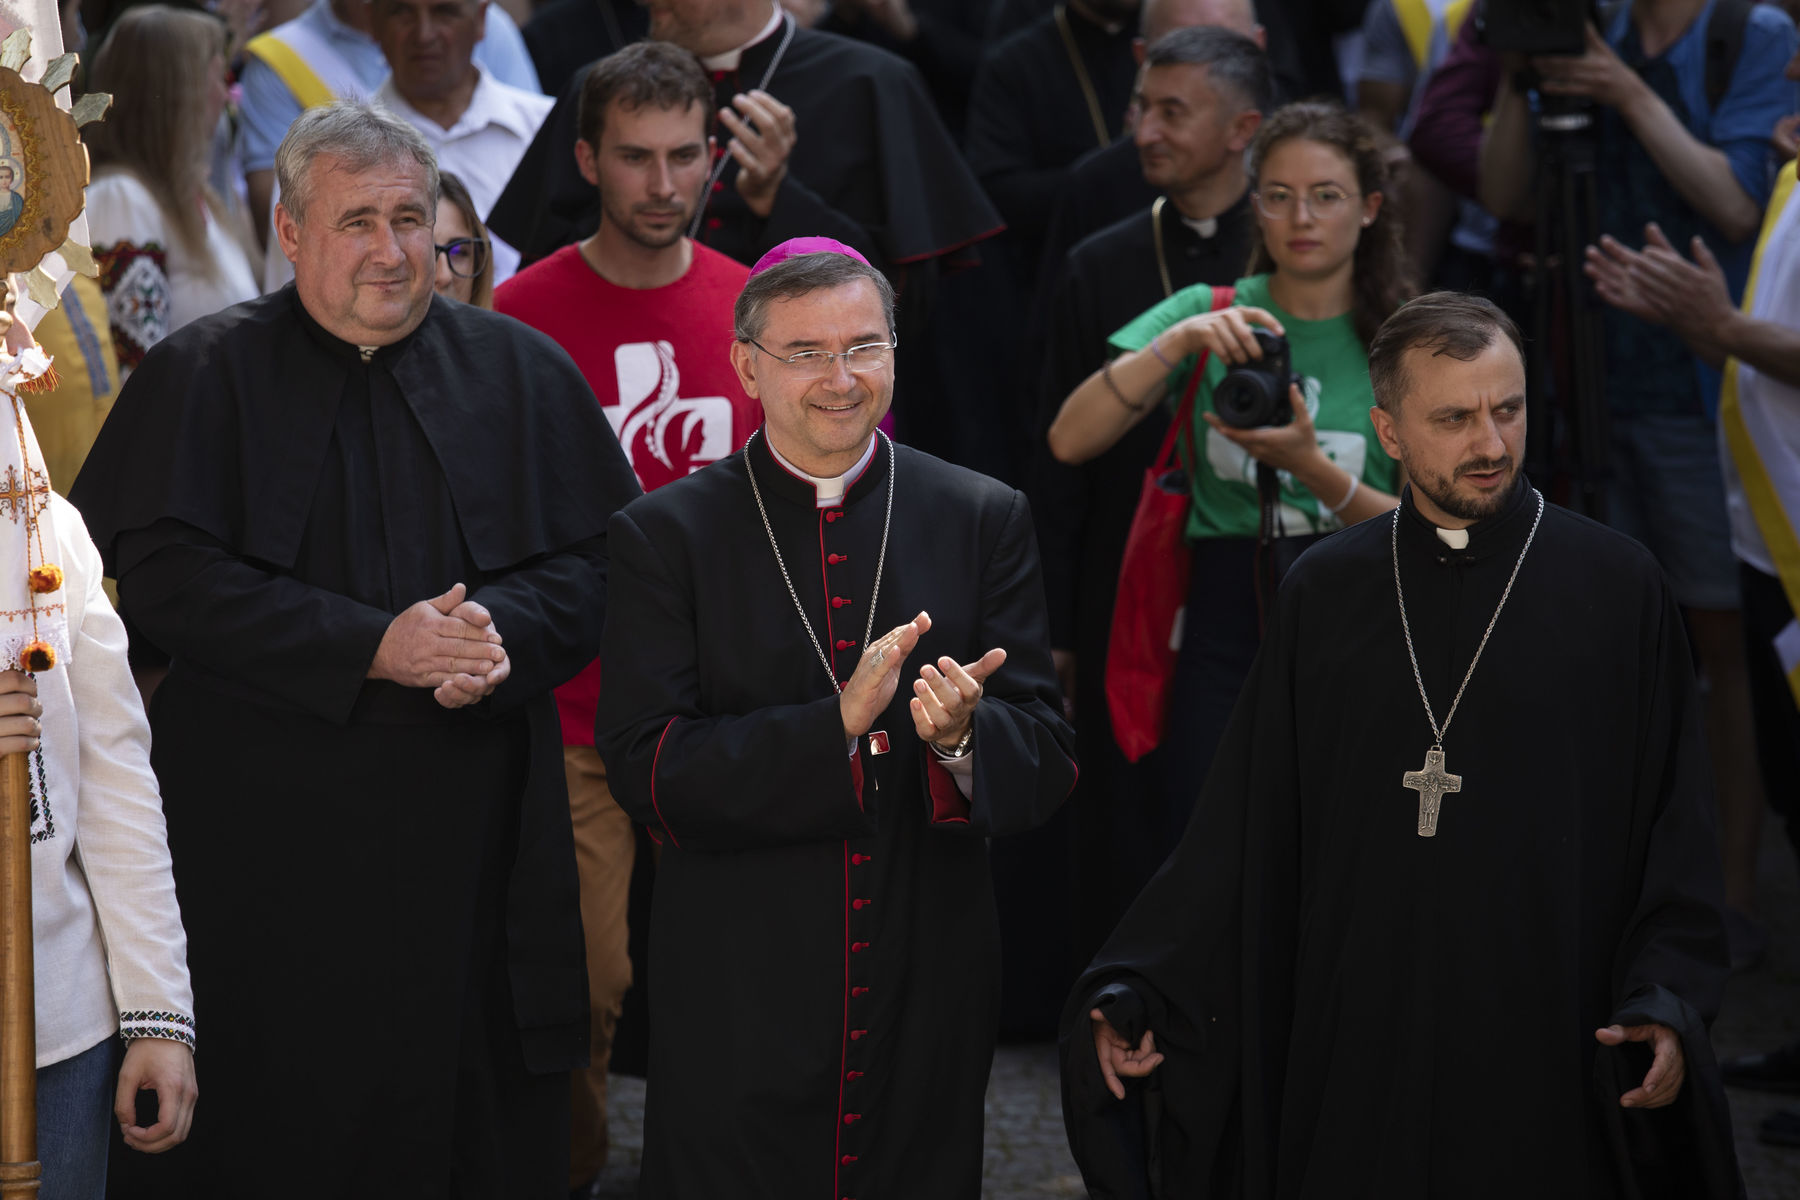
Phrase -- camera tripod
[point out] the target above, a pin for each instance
(1566, 316)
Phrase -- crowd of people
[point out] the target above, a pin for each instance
(470, 387)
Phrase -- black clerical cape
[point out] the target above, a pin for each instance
(379, 893)
(823, 936)
(1348, 1008)
(1084, 515)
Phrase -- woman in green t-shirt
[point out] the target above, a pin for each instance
(1327, 268)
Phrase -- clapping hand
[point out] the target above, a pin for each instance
(945, 696)
(762, 138)
(877, 676)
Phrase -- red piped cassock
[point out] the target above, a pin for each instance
(824, 948)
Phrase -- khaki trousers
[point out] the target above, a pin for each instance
(604, 852)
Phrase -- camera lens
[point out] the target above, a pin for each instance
(1245, 398)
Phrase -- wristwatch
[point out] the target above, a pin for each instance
(961, 748)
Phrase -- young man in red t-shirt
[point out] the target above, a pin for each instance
(646, 314)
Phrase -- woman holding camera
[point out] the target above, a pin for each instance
(1327, 268)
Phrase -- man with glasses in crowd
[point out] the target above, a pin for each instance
(645, 312)
(828, 681)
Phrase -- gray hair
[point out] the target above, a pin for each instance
(359, 136)
(1235, 65)
(798, 276)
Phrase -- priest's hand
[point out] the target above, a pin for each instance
(20, 713)
(877, 676)
(1118, 1058)
(464, 689)
(945, 696)
(762, 138)
(167, 1068)
(427, 645)
(1667, 1070)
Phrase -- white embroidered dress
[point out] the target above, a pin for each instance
(154, 285)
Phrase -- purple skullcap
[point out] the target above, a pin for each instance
(794, 247)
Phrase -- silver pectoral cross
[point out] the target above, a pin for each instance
(1432, 782)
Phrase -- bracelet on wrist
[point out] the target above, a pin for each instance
(1348, 496)
(1156, 349)
(1106, 374)
(961, 749)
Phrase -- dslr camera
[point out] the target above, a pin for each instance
(1254, 394)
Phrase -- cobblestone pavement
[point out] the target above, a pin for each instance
(1028, 1158)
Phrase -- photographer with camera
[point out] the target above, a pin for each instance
(1284, 395)
(1683, 95)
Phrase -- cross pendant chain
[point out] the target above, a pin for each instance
(1432, 783)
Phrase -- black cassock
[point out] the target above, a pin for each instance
(1350, 1009)
(823, 935)
(1083, 517)
(379, 893)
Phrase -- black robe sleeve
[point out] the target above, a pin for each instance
(549, 613)
(1019, 731)
(709, 782)
(1669, 969)
(199, 602)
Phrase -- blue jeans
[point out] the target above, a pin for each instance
(74, 1122)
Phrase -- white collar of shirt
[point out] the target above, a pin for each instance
(1456, 539)
(492, 103)
(1204, 226)
(829, 491)
(729, 60)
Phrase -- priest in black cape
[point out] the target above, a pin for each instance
(823, 936)
(1360, 975)
(1204, 91)
(870, 163)
(368, 526)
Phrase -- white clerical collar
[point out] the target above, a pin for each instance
(729, 60)
(1456, 539)
(829, 491)
(1204, 226)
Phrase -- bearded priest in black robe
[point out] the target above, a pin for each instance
(368, 527)
(826, 682)
(1447, 919)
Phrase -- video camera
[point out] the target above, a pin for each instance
(1537, 26)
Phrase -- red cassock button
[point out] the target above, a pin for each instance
(859, 859)
(719, 185)
(845, 643)
(851, 1118)
(839, 601)
(858, 991)
(847, 1159)
(858, 947)
(860, 903)
(853, 1075)
(835, 559)
(715, 222)
(857, 1035)
(833, 515)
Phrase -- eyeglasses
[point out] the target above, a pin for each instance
(1279, 203)
(468, 257)
(817, 364)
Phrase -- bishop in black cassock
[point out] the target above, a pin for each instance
(1344, 1006)
(379, 890)
(823, 937)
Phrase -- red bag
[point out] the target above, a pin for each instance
(1153, 588)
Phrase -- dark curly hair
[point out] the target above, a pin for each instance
(1381, 273)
